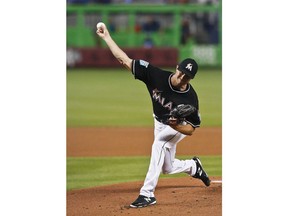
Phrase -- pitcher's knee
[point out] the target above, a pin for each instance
(166, 169)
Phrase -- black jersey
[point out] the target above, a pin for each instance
(164, 96)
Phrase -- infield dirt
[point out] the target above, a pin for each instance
(177, 196)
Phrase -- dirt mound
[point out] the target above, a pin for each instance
(181, 196)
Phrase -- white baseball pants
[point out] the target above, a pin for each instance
(163, 157)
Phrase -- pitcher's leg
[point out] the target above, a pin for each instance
(165, 137)
(172, 165)
(157, 159)
(155, 168)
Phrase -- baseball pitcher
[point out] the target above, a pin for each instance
(176, 115)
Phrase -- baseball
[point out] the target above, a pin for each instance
(100, 25)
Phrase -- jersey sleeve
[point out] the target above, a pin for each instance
(141, 70)
(194, 119)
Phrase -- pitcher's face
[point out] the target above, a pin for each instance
(181, 77)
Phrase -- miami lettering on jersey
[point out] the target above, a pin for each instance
(156, 95)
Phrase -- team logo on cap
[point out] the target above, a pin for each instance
(189, 66)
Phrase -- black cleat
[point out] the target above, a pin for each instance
(143, 201)
(200, 173)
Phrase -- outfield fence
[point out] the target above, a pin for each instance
(125, 22)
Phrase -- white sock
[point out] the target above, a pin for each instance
(193, 168)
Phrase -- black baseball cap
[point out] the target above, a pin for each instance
(189, 67)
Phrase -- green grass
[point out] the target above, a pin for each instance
(112, 97)
(96, 171)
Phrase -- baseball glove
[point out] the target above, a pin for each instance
(182, 111)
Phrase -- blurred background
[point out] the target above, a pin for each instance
(162, 32)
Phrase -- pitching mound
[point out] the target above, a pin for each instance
(180, 196)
